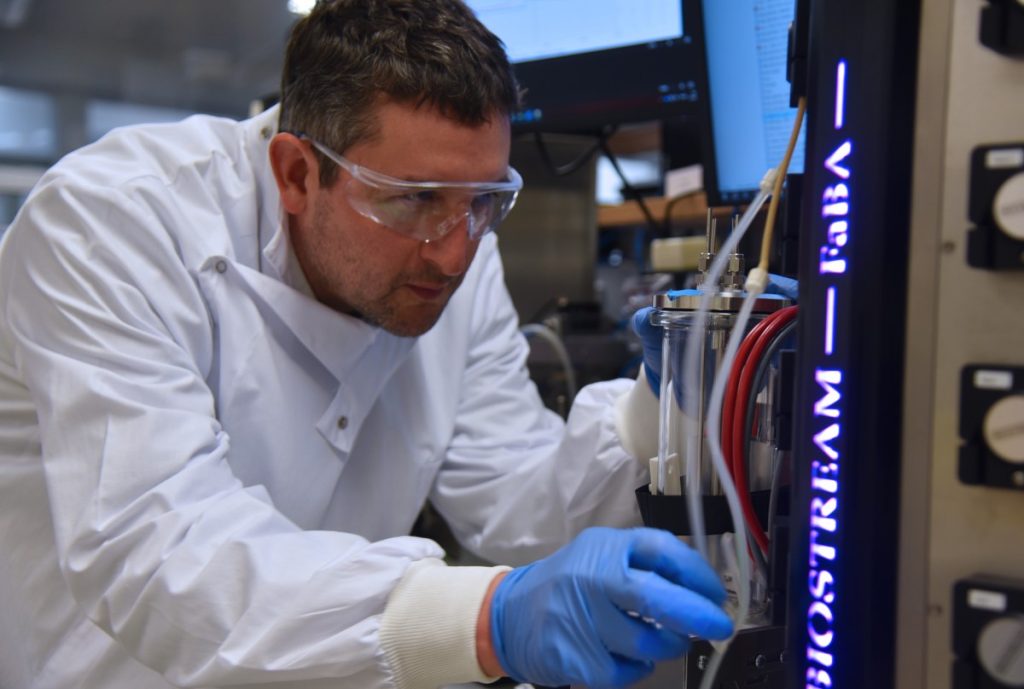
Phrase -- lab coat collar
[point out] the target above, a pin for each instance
(338, 341)
(274, 247)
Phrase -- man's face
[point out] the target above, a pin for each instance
(358, 266)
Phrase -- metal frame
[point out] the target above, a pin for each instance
(854, 249)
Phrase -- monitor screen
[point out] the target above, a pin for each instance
(751, 118)
(586, 64)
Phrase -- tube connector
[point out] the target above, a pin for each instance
(757, 281)
(734, 267)
(768, 180)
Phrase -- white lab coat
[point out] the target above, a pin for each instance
(207, 478)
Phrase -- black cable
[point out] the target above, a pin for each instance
(762, 367)
(773, 494)
(551, 306)
(572, 166)
(667, 216)
(629, 188)
(761, 558)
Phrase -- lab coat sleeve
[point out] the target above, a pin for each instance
(199, 577)
(432, 613)
(636, 418)
(518, 482)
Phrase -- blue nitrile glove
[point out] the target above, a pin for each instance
(787, 287)
(651, 335)
(578, 616)
(650, 338)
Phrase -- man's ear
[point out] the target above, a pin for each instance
(295, 170)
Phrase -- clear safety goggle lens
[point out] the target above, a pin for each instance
(426, 211)
(430, 214)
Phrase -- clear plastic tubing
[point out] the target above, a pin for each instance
(690, 396)
(665, 410)
(691, 374)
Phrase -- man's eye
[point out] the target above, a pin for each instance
(414, 198)
(424, 196)
(483, 202)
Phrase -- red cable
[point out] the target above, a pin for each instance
(731, 386)
(728, 412)
(740, 427)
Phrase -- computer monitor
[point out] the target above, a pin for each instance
(751, 117)
(587, 64)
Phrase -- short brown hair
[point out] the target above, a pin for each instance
(348, 54)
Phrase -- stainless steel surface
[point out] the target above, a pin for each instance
(735, 274)
(719, 303)
(913, 610)
(967, 96)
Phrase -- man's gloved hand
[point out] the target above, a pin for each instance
(651, 335)
(650, 339)
(783, 286)
(578, 616)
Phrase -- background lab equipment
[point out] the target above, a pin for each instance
(881, 421)
(911, 293)
(905, 564)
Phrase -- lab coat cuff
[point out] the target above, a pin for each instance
(636, 419)
(428, 631)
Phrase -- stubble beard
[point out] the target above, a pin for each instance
(333, 289)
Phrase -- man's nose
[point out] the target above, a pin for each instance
(453, 251)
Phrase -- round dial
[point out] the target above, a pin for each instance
(1008, 206)
(1004, 428)
(1001, 650)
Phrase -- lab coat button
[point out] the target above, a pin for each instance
(343, 422)
(221, 266)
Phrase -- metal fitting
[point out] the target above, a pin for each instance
(735, 276)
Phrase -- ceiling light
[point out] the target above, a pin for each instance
(301, 6)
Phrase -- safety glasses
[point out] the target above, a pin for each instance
(425, 211)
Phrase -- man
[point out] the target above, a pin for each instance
(235, 360)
